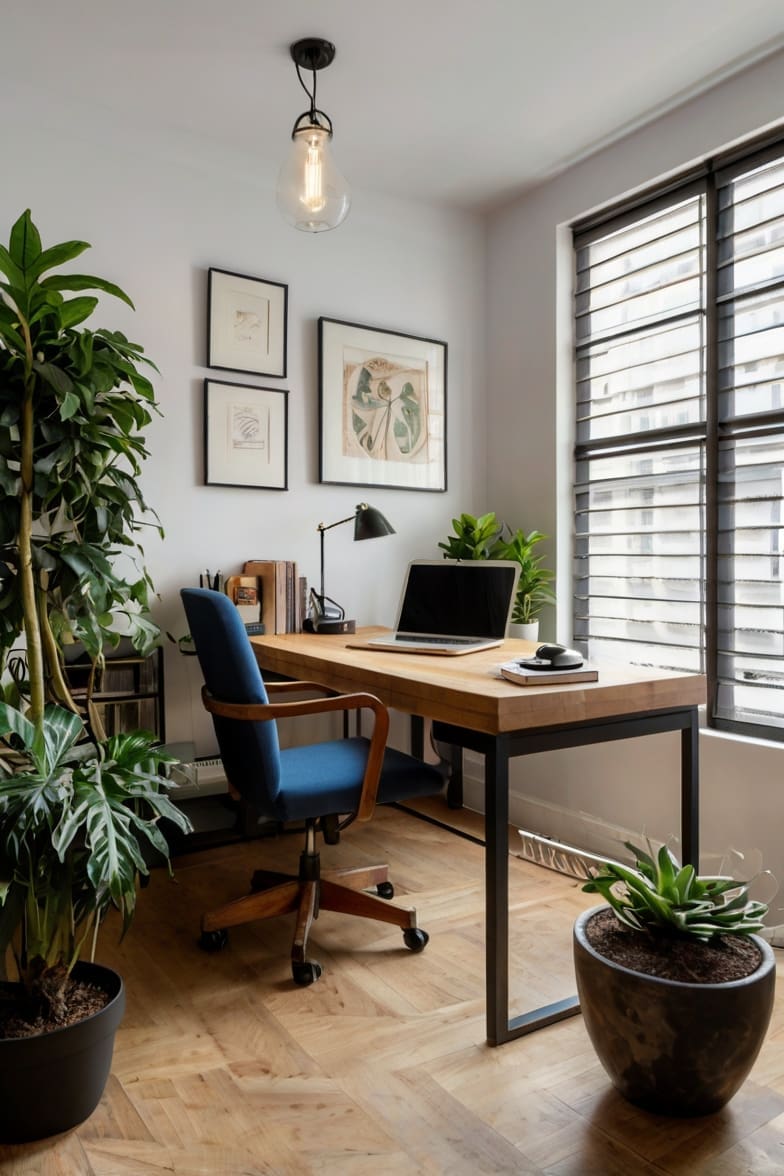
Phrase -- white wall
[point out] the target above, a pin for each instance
(529, 471)
(159, 212)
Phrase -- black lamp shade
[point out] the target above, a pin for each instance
(369, 523)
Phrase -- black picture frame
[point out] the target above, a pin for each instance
(382, 407)
(247, 324)
(245, 436)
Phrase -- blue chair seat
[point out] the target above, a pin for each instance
(322, 779)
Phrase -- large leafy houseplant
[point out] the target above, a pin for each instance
(482, 537)
(76, 808)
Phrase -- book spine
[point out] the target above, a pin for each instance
(264, 570)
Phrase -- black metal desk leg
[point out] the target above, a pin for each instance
(497, 889)
(418, 737)
(499, 1027)
(690, 805)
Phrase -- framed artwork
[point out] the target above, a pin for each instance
(382, 407)
(245, 436)
(247, 324)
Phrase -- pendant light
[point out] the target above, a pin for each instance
(312, 194)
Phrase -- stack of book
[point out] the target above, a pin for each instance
(280, 594)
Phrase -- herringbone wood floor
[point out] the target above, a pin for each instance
(223, 1066)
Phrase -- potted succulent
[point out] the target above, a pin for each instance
(76, 809)
(482, 537)
(675, 987)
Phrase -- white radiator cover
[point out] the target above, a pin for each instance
(200, 777)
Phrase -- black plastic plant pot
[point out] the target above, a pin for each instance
(671, 1047)
(54, 1081)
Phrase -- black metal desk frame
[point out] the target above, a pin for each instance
(498, 750)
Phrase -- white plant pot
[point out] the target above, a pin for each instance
(529, 632)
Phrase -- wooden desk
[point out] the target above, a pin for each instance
(476, 710)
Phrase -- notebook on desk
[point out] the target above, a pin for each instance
(452, 608)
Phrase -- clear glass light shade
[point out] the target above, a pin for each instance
(312, 194)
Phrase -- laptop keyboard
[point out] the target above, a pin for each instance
(411, 639)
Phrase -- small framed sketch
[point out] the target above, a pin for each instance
(247, 323)
(245, 436)
(382, 407)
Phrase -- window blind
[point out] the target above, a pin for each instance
(750, 465)
(679, 455)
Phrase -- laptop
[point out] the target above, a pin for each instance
(450, 607)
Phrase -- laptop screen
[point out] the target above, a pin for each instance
(458, 599)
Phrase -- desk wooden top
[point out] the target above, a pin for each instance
(466, 690)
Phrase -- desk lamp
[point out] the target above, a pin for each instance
(326, 615)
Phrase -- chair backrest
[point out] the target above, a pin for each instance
(250, 751)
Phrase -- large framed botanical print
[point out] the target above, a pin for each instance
(382, 407)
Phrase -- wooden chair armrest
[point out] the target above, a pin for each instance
(259, 712)
(291, 687)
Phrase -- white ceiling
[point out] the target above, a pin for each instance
(461, 101)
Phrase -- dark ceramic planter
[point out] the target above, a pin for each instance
(670, 1047)
(53, 1082)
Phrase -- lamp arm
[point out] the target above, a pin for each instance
(322, 527)
(328, 526)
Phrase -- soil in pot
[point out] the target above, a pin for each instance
(728, 957)
(23, 1015)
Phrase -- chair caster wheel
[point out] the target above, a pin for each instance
(385, 890)
(213, 940)
(305, 974)
(415, 939)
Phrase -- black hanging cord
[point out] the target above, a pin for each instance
(312, 96)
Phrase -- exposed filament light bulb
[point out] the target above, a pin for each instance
(312, 195)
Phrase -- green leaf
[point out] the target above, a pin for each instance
(12, 720)
(76, 311)
(9, 267)
(54, 256)
(683, 882)
(54, 376)
(85, 282)
(69, 406)
(25, 243)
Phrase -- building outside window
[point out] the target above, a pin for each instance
(679, 457)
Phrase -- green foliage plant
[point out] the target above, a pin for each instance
(73, 402)
(473, 538)
(660, 895)
(534, 588)
(482, 537)
(75, 808)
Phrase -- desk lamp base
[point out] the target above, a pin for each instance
(327, 627)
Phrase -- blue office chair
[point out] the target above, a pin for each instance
(324, 785)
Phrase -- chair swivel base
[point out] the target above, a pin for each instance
(340, 890)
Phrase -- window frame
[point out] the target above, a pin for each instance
(706, 180)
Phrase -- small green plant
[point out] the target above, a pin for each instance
(660, 894)
(474, 538)
(481, 537)
(534, 589)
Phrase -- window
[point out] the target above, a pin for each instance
(679, 456)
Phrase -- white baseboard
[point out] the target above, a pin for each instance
(581, 830)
